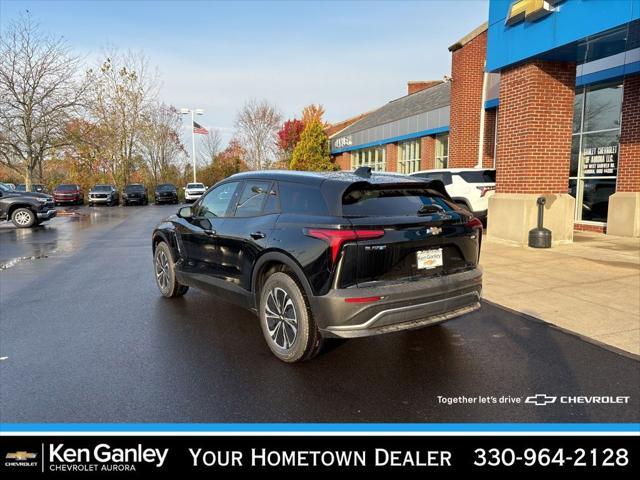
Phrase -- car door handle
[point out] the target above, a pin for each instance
(257, 235)
(211, 233)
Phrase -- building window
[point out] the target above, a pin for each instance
(442, 151)
(370, 157)
(409, 156)
(594, 150)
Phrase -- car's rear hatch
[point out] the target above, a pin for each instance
(423, 234)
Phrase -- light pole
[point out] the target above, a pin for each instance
(197, 111)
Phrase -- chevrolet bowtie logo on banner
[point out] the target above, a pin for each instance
(540, 399)
(21, 455)
(530, 10)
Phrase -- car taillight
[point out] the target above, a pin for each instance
(362, 299)
(474, 223)
(337, 238)
(484, 190)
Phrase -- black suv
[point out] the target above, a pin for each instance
(321, 255)
(166, 193)
(134, 193)
(25, 209)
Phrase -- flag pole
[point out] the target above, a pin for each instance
(193, 144)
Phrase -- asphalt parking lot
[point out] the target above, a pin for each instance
(86, 337)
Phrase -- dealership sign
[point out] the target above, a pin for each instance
(600, 161)
(343, 142)
(530, 10)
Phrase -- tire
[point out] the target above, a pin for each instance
(23, 218)
(164, 269)
(293, 319)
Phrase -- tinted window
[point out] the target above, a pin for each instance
(195, 185)
(444, 177)
(165, 187)
(383, 202)
(478, 176)
(102, 188)
(252, 198)
(67, 188)
(300, 198)
(21, 187)
(134, 188)
(217, 201)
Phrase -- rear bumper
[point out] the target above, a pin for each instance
(46, 215)
(403, 306)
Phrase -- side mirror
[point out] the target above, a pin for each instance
(185, 212)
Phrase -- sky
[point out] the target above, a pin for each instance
(349, 56)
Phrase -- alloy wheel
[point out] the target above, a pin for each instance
(23, 218)
(281, 318)
(162, 270)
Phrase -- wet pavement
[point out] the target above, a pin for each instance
(87, 338)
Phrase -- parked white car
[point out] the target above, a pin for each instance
(193, 191)
(468, 187)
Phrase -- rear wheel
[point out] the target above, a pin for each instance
(164, 268)
(286, 320)
(23, 218)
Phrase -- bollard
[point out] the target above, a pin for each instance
(540, 237)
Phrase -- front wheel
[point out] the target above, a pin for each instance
(23, 218)
(286, 320)
(164, 268)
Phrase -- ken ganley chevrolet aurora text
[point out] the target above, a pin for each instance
(103, 457)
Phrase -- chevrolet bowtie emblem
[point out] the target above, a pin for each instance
(540, 399)
(529, 10)
(21, 455)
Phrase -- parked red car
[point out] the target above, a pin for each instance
(68, 193)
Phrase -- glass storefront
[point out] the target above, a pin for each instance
(442, 151)
(370, 157)
(409, 156)
(594, 151)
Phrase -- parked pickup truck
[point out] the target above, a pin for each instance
(25, 209)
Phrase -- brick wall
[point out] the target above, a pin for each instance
(416, 86)
(392, 157)
(427, 152)
(534, 127)
(629, 155)
(489, 138)
(467, 71)
(343, 161)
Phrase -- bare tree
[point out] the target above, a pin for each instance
(160, 140)
(39, 93)
(257, 124)
(210, 147)
(123, 92)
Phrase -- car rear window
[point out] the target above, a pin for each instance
(389, 201)
(300, 198)
(478, 176)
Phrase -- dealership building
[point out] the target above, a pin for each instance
(548, 94)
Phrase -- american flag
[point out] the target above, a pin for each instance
(197, 128)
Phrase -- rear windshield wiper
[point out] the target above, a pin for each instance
(432, 208)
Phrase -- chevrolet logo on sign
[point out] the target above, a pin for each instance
(20, 455)
(529, 10)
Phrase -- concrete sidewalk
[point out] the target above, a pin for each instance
(590, 287)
